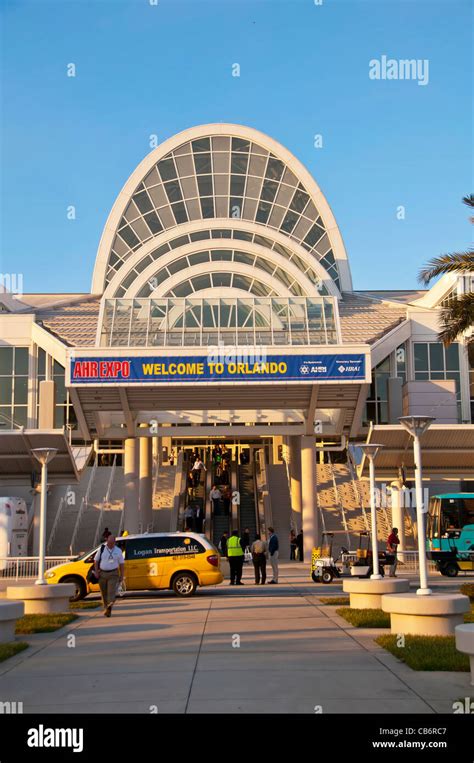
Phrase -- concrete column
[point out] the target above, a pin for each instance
(166, 442)
(295, 478)
(277, 440)
(145, 481)
(46, 404)
(131, 494)
(311, 533)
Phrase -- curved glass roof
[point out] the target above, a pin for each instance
(221, 177)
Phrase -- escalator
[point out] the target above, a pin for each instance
(248, 504)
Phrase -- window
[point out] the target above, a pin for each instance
(376, 407)
(13, 387)
(148, 548)
(433, 362)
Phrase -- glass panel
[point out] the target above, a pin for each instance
(6, 384)
(274, 169)
(436, 356)
(421, 356)
(221, 279)
(198, 257)
(452, 356)
(21, 360)
(6, 360)
(177, 265)
(21, 389)
(202, 282)
(203, 165)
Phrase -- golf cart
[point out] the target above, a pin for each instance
(324, 568)
(451, 561)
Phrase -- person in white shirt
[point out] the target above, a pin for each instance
(196, 470)
(215, 495)
(109, 569)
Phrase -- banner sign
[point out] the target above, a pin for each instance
(278, 368)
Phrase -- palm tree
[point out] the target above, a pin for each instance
(458, 314)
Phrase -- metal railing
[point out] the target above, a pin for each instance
(21, 567)
(104, 502)
(84, 503)
(57, 519)
(338, 500)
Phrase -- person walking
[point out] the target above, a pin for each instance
(300, 546)
(245, 539)
(223, 544)
(197, 468)
(259, 549)
(190, 484)
(392, 547)
(292, 545)
(189, 518)
(109, 567)
(235, 556)
(273, 546)
(199, 519)
(215, 495)
(105, 535)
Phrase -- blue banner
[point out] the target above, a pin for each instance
(206, 368)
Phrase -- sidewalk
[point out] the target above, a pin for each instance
(246, 649)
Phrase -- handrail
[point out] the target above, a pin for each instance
(338, 499)
(84, 502)
(59, 512)
(360, 500)
(105, 500)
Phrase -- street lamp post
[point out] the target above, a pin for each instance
(416, 426)
(44, 456)
(370, 450)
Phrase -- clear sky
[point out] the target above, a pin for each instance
(145, 69)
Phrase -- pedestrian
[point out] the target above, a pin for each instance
(224, 476)
(392, 547)
(109, 569)
(215, 495)
(197, 468)
(171, 458)
(273, 547)
(199, 518)
(190, 484)
(226, 499)
(223, 544)
(235, 556)
(259, 551)
(300, 546)
(105, 535)
(189, 518)
(245, 539)
(293, 546)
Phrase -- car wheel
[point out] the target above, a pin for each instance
(451, 570)
(326, 577)
(81, 590)
(184, 584)
(315, 578)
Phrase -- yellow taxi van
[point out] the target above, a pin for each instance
(179, 561)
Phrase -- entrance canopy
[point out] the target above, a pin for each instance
(17, 463)
(446, 450)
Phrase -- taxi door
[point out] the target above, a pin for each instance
(143, 569)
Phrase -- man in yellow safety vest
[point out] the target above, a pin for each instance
(235, 556)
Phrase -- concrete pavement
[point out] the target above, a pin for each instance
(228, 649)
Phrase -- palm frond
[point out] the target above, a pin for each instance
(458, 262)
(469, 200)
(456, 318)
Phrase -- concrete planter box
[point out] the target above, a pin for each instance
(367, 594)
(465, 643)
(10, 612)
(434, 615)
(43, 599)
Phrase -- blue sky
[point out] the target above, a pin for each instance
(144, 69)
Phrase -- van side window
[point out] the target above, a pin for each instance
(147, 548)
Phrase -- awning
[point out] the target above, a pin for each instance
(17, 464)
(446, 450)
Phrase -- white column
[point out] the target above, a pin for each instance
(42, 527)
(373, 516)
(295, 478)
(145, 481)
(131, 495)
(311, 532)
(423, 590)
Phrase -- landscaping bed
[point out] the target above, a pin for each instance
(426, 652)
(365, 618)
(44, 623)
(9, 650)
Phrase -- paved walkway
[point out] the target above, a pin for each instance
(242, 649)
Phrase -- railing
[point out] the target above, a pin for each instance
(338, 500)
(106, 500)
(57, 518)
(20, 567)
(408, 562)
(84, 502)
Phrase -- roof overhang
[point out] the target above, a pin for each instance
(17, 463)
(447, 450)
(115, 408)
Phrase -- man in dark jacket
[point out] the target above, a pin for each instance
(299, 546)
(273, 547)
(245, 539)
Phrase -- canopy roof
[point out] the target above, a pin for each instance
(17, 462)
